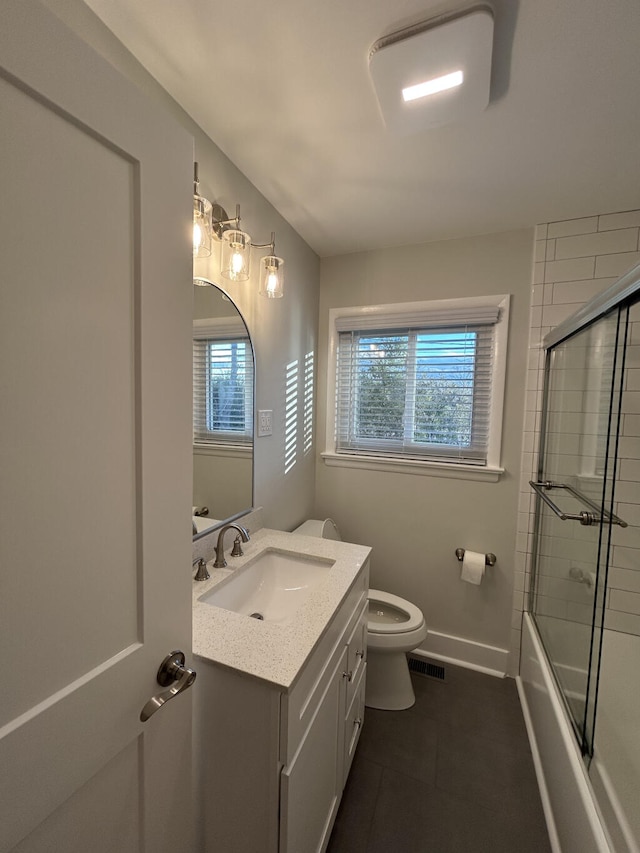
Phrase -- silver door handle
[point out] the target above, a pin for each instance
(172, 672)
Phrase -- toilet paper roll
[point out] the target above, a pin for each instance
(473, 566)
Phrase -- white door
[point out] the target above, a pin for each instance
(95, 450)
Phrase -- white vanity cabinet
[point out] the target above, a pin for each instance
(273, 762)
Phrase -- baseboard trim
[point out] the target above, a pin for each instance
(459, 651)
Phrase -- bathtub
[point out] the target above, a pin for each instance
(573, 819)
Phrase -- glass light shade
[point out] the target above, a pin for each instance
(201, 227)
(271, 277)
(235, 263)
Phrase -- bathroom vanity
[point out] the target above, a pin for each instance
(280, 702)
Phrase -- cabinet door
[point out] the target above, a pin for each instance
(311, 785)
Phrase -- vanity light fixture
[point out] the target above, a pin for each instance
(434, 72)
(235, 244)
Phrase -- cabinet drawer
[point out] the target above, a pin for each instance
(357, 649)
(353, 721)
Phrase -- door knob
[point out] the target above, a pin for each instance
(172, 672)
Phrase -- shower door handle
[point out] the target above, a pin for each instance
(584, 517)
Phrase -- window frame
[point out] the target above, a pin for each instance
(376, 317)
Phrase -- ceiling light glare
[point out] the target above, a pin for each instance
(430, 87)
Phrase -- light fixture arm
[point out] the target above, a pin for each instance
(271, 245)
(202, 202)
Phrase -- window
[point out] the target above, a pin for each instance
(420, 383)
(222, 384)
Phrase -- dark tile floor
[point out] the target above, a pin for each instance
(453, 774)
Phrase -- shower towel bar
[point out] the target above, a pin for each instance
(586, 518)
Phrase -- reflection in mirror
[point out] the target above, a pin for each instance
(223, 394)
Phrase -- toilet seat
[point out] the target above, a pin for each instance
(413, 621)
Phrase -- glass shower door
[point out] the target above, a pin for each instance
(575, 502)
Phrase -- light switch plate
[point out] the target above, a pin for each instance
(265, 422)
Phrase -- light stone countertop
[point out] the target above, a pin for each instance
(269, 651)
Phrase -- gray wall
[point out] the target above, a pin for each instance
(282, 330)
(414, 522)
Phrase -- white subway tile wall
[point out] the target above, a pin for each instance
(574, 260)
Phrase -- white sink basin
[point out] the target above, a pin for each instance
(272, 587)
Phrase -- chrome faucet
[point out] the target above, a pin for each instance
(220, 562)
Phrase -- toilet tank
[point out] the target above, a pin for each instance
(322, 528)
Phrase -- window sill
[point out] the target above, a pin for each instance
(239, 451)
(413, 466)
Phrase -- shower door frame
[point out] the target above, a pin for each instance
(618, 297)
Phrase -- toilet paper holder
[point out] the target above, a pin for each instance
(489, 559)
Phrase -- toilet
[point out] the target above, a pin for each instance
(394, 627)
(325, 529)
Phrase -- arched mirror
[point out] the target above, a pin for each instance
(223, 397)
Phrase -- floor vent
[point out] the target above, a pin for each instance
(423, 667)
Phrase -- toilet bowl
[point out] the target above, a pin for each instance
(394, 627)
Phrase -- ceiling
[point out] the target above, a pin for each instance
(283, 88)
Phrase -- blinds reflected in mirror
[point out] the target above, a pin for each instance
(222, 383)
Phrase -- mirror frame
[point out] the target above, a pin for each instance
(201, 282)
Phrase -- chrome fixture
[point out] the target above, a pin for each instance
(584, 517)
(220, 562)
(489, 559)
(172, 672)
(235, 245)
(202, 573)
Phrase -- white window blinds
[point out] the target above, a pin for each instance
(222, 385)
(416, 390)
